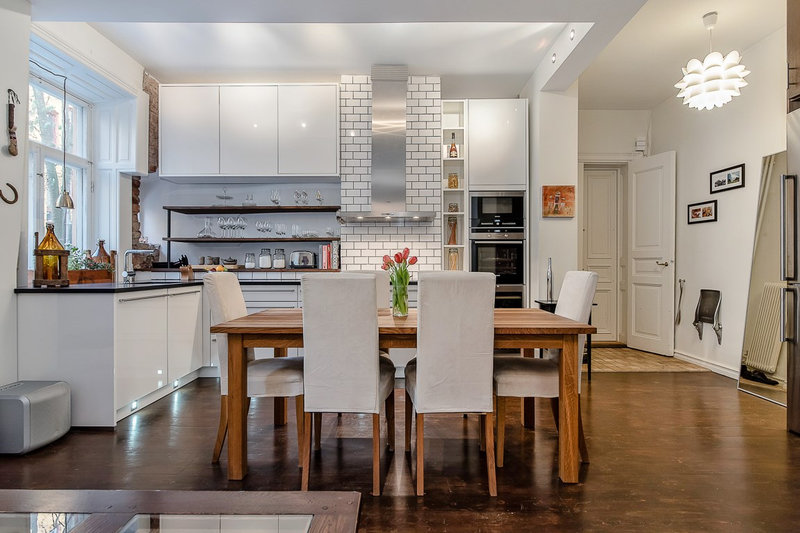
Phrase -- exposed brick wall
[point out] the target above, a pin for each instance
(364, 244)
(150, 86)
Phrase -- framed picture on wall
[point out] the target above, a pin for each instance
(727, 178)
(702, 212)
(558, 201)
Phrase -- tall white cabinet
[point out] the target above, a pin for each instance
(497, 133)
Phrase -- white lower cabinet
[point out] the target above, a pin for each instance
(140, 344)
(185, 335)
(113, 349)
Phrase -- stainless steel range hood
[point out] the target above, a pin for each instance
(388, 188)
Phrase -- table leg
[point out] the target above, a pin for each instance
(281, 409)
(528, 404)
(237, 408)
(568, 453)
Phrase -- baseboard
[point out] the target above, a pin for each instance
(732, 373)
(608, 344)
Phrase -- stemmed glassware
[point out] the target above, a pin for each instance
(280, 229)
(275, 197)
(318, 196)
(241, 225)
(296, 197)
(304, 197)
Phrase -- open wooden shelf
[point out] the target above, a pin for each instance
(250, 239)
(249, 209)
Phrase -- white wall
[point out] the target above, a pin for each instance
(15, 24)
(718, 255)
(553, 123)
(610, 133)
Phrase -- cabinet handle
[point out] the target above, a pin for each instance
(123, 300)
(184, 293)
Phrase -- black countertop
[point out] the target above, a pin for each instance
(99, 288)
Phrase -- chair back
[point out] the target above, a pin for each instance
(575, 302)
(227, 303)
(455, 342)
(340, 340)
(382, 286)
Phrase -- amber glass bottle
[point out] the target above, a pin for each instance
(101, 256)
(50, 268)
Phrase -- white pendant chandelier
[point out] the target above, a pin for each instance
(714, 81)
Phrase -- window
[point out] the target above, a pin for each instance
(46, 175)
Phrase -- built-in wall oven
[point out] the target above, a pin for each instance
(497, 241)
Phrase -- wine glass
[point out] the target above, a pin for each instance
(304, 197)
(296, 197)
(230, 223)
(241, 224)
(221, 222)
(318, 196)
(268, 227)
(275, 197)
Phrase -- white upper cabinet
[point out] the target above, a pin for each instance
(248, 143)
(498, 143)
(189, 130)
(307, 129)
(249, 130)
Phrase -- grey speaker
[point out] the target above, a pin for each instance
(32, 414)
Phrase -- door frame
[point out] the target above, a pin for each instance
(622, 234)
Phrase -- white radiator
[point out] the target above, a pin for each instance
(765, 343)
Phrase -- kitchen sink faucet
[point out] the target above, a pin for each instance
(129, 275)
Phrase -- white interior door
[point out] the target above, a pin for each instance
(651, 253)
(600, 247)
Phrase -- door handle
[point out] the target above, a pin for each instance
(784, 292)
(662, 263)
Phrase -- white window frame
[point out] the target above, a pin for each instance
(84, 190)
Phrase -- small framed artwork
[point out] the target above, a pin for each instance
(703, 212)
(727, 178)
(558, 201)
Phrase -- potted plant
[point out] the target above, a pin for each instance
(83, 269)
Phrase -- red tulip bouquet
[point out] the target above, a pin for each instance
(398, 273)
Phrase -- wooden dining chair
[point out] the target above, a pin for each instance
(524, 377)
(452, 372)
(343, 372)
(277, 377)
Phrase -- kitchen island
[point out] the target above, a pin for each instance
(118, 346)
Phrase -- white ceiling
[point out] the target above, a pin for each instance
(638, 69)
(480, 48)
(470, 57)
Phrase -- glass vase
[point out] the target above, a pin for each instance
(400, 299)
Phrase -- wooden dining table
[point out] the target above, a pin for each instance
(522, 329)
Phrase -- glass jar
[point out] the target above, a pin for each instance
(279, 259)
(249, 260)
(265, 259)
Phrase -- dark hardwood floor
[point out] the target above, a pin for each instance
(669, 452)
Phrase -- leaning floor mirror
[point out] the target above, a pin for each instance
(763, 368)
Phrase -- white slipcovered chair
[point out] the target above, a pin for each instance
(278, 377)
(342, 370)
(523, 377)
(452, 372)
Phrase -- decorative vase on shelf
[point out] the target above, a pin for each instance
(397, 267)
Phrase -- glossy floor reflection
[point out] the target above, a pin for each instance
(669, 451)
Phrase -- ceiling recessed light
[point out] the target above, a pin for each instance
(415, 217)
(302, 124)
(553, 59)
(255, 125)
(388, 218)
(572, 34)
(360, 218)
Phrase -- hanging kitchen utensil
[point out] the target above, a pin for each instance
(12, 128)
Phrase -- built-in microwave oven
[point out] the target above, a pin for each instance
(498, 209)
